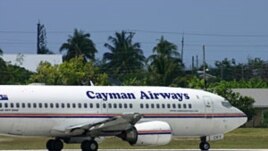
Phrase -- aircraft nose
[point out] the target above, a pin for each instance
(242, 117)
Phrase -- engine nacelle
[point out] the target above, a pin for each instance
(149, 134)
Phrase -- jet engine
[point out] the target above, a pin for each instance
(149, 134)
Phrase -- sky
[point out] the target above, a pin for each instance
(228, 28)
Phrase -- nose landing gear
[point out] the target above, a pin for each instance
(204, 145)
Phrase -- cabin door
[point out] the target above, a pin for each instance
(208, 106)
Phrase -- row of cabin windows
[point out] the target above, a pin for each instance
(91, 105)
(168, 106)
(64, 105)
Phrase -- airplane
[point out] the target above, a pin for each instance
(139, 115)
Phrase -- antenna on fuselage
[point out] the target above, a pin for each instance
(91, 83)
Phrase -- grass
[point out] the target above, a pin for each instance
(255, 138)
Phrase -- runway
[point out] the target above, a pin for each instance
(153, 150)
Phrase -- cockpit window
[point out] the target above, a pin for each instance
(226, 104)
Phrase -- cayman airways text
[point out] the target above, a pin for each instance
(142, 95)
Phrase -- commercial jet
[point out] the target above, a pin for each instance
(139, 115)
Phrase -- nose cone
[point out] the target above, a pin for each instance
(241, 117)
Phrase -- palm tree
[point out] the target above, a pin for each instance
(126, 57)
(165, 63)
(79, 44)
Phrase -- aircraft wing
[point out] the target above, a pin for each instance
(112, 126)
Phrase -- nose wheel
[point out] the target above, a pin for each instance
(204, 145)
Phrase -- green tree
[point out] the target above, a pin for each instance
(3, 72)
(257, 68)
(79, 44)
(46, 73)
(228, 70)
(72, 72)
(17, 75)
(1, 51)
(165, 64)
(125, 57)
(42, 40)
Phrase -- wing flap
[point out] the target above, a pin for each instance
(111, 126)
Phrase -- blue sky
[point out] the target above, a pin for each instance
(229, 28)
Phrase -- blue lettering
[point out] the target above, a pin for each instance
(144, 95)
(90, 94)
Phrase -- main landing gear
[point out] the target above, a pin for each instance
(204, 145)
(86, 145)
(54, 145)
(89, 145)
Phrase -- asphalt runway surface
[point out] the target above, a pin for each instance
(153, 150)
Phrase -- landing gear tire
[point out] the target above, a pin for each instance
(204, 146)
(54, 145)
(89, 145)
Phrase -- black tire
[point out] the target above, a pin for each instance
(58, 145)
(204, 146)
(91, 145)
(49, 144)
(54, 145)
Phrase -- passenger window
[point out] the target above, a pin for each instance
(51, 105)
(163, 106)
(17, 105)
(174, 106)
(115, 105)
(46, 105)
(141, 106)
(120, 105)
(184, 106)
(85, 105)
(125, 106)
(157, 106)
(79, 105)
(0, 105)
(179, 106)
(34, 105)
(62, 105)
(104, 105)
(130, 106)
(57, 105)
(190, 106)
(110, 105)
(68, 105)
(29, 105)
(147, 106)
(91, 105)
(98, 105)
(40, 105)
(11, 105)
(23, 105)
(74, 105)
(6, 105)
(168, 105)
(152, 106)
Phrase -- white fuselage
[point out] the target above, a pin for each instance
(46, 110)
